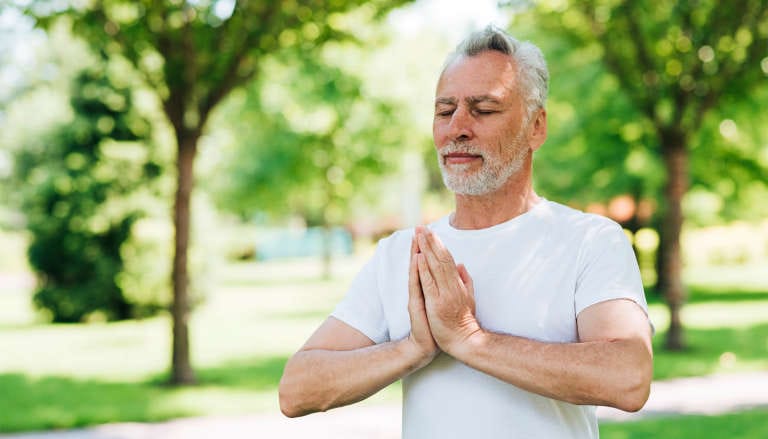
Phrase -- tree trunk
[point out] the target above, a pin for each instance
(671, 266)
(181, 366)
(661, 252)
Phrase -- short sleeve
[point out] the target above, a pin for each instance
(361, 307)
(608, 270)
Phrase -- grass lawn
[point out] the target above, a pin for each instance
(727, 330)
(745, 425)
(62, 376)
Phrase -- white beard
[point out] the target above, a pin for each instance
(492, 174)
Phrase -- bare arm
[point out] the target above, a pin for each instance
(339, 365)
(610, 365)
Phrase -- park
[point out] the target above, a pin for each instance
(158, 159)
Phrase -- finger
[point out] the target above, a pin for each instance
(415, 294)
(428, 286)
(416, 306)
(421, 239)
(464, 274)
(414, 245)
(439, 259)
(430, 262)
(438, 248)
(468, 284)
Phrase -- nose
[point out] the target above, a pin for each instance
(460, 125)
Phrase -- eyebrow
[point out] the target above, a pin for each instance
(482, 98)
(472, 100)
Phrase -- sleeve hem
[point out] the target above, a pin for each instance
(640, 303)
(371, 333)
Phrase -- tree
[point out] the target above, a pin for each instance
(596, 148)
(73, 184)
(306, 129)
(193, 54)
(675, 62)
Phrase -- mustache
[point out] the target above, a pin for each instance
(460, 148)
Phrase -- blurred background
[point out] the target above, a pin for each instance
(187, 187)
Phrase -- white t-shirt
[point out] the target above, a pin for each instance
(532, 276)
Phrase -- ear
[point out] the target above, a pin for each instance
(538, 133)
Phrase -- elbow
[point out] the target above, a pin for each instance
(291, 399)
(289, 396)
(288, 405)
(294, 394)
(632, 403)
(636, 392)
(289, 409)
(295, 405)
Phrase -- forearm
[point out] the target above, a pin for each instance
(613, 373)
(318, 380)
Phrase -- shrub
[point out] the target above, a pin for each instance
(76, 188)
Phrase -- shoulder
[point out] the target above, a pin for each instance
(576, 221)
(395, 241)
(589, 233)
(401, 239)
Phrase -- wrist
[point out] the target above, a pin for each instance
(470, 344)
(413, 354)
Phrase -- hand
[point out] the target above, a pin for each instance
(449, 294)
(421, 335)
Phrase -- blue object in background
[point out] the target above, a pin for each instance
(295, 243)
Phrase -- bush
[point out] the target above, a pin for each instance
(76, 188)
(78, 272)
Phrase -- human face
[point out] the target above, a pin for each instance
(478, 126)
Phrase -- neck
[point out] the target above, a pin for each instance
(513, 199)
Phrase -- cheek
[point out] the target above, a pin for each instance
(438, 133)
(510, 137)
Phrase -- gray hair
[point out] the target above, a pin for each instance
(531, 67)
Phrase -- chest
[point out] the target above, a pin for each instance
(519, 290)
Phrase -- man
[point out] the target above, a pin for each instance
(512, 317)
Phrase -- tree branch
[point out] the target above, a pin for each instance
(620, 69)
(232, 77)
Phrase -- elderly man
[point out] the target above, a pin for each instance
(511, 317)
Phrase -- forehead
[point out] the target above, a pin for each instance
(488, 73)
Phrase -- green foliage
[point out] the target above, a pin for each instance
(626, 74)
(78, 271)
(146, 255)
(73, 184)
(674, 60)
(56, 402)
(715, 350)
(729, 160)
(745, 425)
(308, 142)
(192, 55)
(597, 145)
